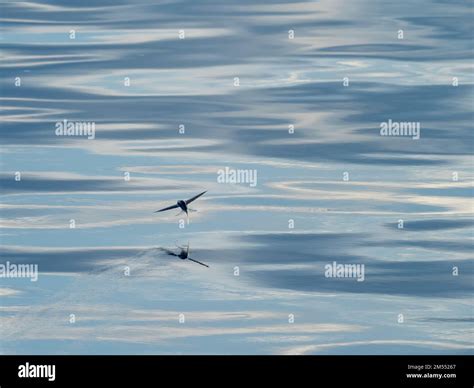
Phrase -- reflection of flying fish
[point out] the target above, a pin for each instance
(183, 255)
(183, 205)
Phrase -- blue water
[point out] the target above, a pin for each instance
(334, 190)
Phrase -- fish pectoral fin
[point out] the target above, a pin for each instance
(198, 262)
(167, 208)
(188, 201)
